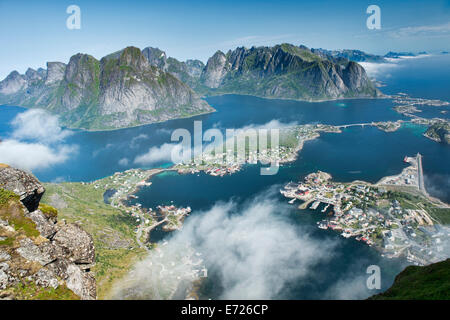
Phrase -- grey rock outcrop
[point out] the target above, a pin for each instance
(13, 83)
(55, 72)
(188, 72)
(45, 252)
(78, 245)
(23, 184)
(216, 70)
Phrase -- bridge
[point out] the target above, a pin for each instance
(354, 125)
(365, 124)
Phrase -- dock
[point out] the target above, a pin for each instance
(315, 205)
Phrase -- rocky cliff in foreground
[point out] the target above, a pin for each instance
(40, 258)
(121, 90)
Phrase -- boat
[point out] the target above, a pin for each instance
(323, 225)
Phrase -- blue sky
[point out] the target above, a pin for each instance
(33, 32)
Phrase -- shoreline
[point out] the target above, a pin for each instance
(373, 214)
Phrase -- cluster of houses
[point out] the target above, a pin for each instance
(355, 213)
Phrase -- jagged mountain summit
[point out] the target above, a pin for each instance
(131, 87)
(121, 90)
(350, 54)
(285, 71)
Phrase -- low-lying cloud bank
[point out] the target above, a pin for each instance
(31, 156)
(254, 249)
(36, 142)
(375, 69)
(38, 125)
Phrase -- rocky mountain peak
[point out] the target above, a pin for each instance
(285, 71)
(156, 57)
(215, 70)
(55, 72)
(133, 57)
(13, 83)
(32, 75)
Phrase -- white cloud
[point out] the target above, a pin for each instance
(441, 30)
(124, 162)
(255, 250)
(37, 142)
(374, 69)
(38, 125)
(31, 156)
(350, 288)
(157, 154)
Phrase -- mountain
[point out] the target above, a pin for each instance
(352, 55)
(188, 72)
(121, 90)
(396, 55)
(40, 258)
(439, 132)
(131, 87)
(430, 282)
(285, 71)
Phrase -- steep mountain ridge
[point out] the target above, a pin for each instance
(131, 87)
(120, 90)
(285, 71)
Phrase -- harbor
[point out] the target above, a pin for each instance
(383, 215)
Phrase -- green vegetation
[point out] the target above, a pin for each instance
(439, 132)
(112, 229)
(430, 282)
(49, 211)
(12, 211)
(28, 290)
(440, 214)
(415, 201)
(6, 195)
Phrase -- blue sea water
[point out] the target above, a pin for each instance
(358, 153)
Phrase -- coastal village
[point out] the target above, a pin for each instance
(122, 186)
(291, 142)
(397, 223)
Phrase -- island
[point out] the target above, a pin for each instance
(396, 215)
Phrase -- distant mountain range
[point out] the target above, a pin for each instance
(131, 87)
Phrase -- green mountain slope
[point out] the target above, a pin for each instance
(430, 282)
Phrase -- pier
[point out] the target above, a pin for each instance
(420, 174)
